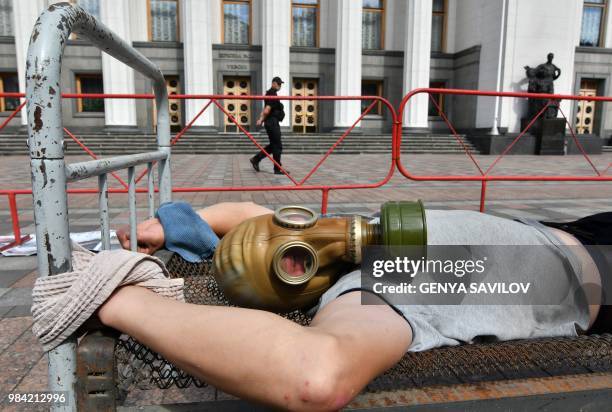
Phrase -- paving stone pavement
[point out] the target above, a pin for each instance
(22, 364)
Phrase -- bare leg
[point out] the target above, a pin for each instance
(260, 356)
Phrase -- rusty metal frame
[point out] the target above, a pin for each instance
(49, 172)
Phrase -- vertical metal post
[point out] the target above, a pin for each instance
(150, 190)
(49, 181)
(132, 204)
(163, 140)
(53, 248)
(103, 204)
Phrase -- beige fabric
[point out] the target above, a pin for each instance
(62, 303)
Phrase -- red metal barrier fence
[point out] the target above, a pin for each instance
(213, 100)
(484, 176)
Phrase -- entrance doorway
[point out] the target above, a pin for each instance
(305, 112)
(175, 107)
(173, 86)
(239, 109)
(586, 113)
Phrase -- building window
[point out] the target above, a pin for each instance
(9, 83)
(372, 34)
(304, 22)
(89, 83)
(372, 88)
(437, 97)
(6, 18)
(438, 26)
(593, 18)
(163, 20)
(236, 22)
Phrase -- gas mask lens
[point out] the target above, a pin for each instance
(295, 217)
(295, 263)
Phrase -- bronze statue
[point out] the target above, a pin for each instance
(541, 80)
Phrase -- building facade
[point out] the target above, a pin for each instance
(327, 47)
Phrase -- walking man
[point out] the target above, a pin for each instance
(271, 116)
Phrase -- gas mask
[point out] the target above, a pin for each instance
(287, 260)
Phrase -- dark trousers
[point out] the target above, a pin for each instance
(276, 146)
(595, 232)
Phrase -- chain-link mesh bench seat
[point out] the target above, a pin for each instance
(524, 364)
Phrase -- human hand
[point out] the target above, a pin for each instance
(149, 235)
(259, 122)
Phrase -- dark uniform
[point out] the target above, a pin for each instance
(277, 114)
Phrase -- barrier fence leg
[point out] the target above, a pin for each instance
(53, 253)
(17, 239)
(483, 192)
(324, 199)
(15, 218)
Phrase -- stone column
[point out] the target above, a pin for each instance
(417, 57)
(275, 41)
(348, 62)
(25, 14)
(196, 21)
(117, 76)
(139, 20)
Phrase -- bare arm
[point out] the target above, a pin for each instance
(261, 356)
(264, 114)
(222, 217)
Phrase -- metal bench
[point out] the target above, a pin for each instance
(98, 372)
(128, 365)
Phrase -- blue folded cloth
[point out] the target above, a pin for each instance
(185, 232)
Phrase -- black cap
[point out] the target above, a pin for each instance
(278, 80)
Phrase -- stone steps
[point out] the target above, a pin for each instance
(606, 149)
(222, 143)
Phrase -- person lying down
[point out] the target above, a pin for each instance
(258, 355)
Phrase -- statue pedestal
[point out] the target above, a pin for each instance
(591, 144)
(550, 135)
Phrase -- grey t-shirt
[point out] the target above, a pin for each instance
(444, 325)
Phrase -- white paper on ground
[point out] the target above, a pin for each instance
(89, 240)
